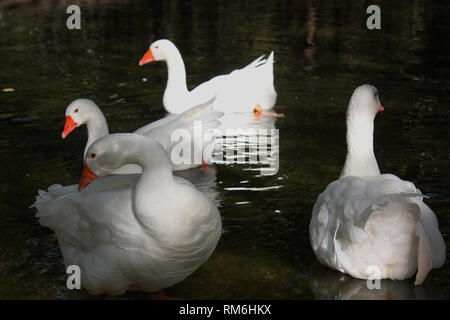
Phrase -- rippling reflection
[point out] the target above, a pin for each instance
(329, 284)
(246, 139)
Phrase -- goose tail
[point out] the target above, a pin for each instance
(431, 245)
(398, 230)
(53, 192)
(431, 248)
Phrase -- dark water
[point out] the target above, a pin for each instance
(322, 50)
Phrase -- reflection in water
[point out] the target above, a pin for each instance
(244, 139)
(311, 47)
(330, 284)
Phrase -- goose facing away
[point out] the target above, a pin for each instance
(132, 232)
(245, 90)
(369, 224)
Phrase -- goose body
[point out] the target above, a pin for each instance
(369, 224)
(238, 91)
(132, 232)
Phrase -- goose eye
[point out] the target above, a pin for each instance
(156, 47)
(375, 94)
(92, 155)
(76, 110)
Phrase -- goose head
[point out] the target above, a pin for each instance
(158, 51)
(78, 112)
(362, 109)
(114, 151)
(102, 157)
(365, 101)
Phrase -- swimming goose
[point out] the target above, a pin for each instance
(245, 90)
(85, 111)
(132, 232)
(373, 225)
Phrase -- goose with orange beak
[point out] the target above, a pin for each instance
(86, 112)
(249, 89)
(141, 232)
(78, 112)
(370, 224)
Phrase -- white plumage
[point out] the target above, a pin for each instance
(133, 232)
(238, 91)
(85, 111)
(367, 219)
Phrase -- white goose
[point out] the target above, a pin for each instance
(369, 224)
(245, 90)
(132, 232)
(85, 111)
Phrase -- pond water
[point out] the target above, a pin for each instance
(323, 51)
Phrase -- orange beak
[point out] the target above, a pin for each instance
(381, 108)
(148, 57)
(69, 126)
(87, 177)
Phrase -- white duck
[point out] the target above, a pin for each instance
(245, 90)
(369, 224)
(132, 232)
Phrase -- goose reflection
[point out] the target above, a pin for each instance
(246, 139)
(328, 284)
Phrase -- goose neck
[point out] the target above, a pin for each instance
(360, 160)
(97, 128)
(156, 166)
(153, 191)
(176, 70)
